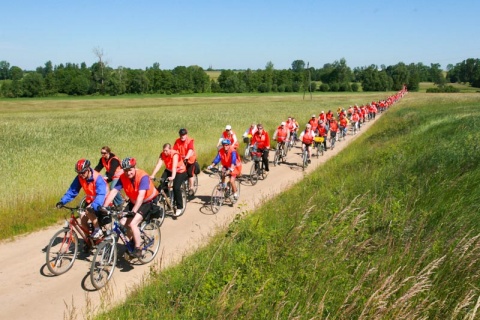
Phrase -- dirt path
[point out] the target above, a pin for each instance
(30, 292)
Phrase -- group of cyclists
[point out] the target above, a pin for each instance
(181, 164)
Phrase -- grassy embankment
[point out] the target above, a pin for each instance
(42, 139)
(388, 229)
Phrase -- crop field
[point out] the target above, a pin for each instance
(42, 139)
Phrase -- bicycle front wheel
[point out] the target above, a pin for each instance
(151, 237)
(304, 160)
(103, 263)
(276, 158)
(254, 174)
(62, 251)
(217, 199)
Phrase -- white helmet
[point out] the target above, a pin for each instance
(228, 127)
(283, 123)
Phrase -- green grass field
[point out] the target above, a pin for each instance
(43, 138)
(388, 229)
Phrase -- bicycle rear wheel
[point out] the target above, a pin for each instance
(151, 237)
(246, 155)
(103, 263)
(62, 251)
(217, 199)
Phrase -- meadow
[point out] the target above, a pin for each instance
(388, 229)
(42, 139)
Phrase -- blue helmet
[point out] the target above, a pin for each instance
(226, 142)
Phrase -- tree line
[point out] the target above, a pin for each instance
(100, 79)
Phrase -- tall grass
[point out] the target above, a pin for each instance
(42, 139)
(388, 229)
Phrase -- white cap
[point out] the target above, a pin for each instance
(313, 116)
(283, 123)
(323, 111)
(228, 127)
(308, 125)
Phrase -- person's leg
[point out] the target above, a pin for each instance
(265, 160)
(177, 192)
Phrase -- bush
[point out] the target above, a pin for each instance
(344, 87)
(324, 87)
(443, 89)
(355, 87)
(334, 87)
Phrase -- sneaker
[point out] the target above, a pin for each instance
(97, 233)
(309, 161)
(235, 196)
(191, 193)
(178, 212)
(137, 253)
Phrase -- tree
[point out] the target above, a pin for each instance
(16, 73)
(100, 75)
(436, 74)
(4, 70)
(33, 85)
(298, 66)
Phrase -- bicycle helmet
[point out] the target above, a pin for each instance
(228, 127)
(226, 142)
(182, 132)
(128, 163)
(82, 165)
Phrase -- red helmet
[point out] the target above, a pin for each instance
(82, 165)
(128, 163)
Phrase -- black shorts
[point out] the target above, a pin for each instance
(190, 169)
(307, 144)
(144, 208)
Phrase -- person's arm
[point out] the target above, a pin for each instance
(101, 193)
(72, 192)
(267, 140)
(234, 160)
(157, 167)
(234, 136)
(275, 134)
(99, 166)
(215, 161)
(190, 150)
(111, 195)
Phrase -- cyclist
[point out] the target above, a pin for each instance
(333, 131)
(185, 147)
(322, 117)
(95, 189)
(262, 141)
(322, 132)
(141, 194)
(230, 160)
(306, 137)
(230, 135)
(343, 125)
(281, 136)
(111, 163)
(313, 123)
(249, 132)
(355, 120)
(175, 170)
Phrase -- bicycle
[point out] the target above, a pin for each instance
(246, 155)
(257, 171)
(105, 259)
(280, 153)
(62, 250)
(167, 200)
(223, 191)
(318, 145)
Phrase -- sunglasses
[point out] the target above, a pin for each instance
(104, 152)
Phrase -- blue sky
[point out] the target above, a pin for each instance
(239, 34)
